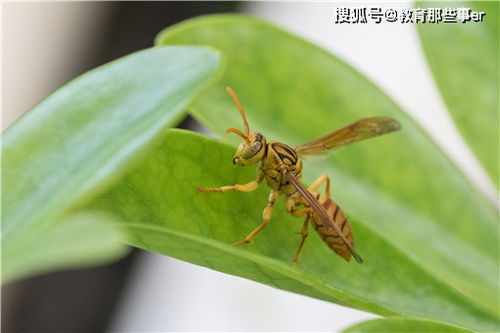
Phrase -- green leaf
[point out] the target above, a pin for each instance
(409, 204)
(401, 325)
(84, 136)
(464, 59)
(165, 214)
(82, 239)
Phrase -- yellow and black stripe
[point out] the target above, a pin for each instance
(286, 154)
(329, 235)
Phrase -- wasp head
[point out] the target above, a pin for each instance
(253, 148)
(252, 151)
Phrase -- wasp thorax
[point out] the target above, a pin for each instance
(250, 151)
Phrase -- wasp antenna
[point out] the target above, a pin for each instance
(240, 108)
(237, 132)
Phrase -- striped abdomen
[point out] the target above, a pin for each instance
(329, 236)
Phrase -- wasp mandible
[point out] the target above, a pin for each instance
(281, 167)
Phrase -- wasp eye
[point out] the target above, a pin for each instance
(248, 152)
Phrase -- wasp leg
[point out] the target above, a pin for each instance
(291, 203)
(299, 212)
(248, 187)
(317, 183)
(304, 234)
(266, 217)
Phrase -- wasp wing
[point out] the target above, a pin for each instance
(320, 210)
(357, 131)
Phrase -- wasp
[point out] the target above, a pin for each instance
(281, 166)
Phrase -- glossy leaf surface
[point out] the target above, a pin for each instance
(83, 136)
(83, 239)
(402, 325)
(165, 214)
